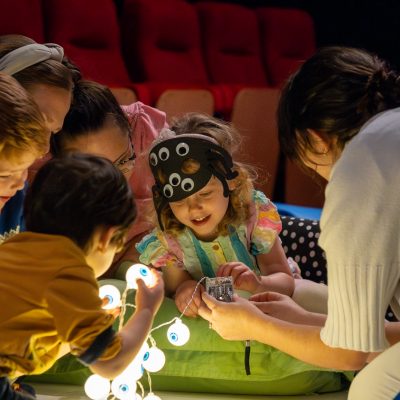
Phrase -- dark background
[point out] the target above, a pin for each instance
(372, 24)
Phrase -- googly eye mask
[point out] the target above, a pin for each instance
(167, 159)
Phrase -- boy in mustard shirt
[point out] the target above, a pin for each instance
(77, 212)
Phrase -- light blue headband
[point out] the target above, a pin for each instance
(25, 56)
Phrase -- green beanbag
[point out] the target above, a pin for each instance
(208, 363)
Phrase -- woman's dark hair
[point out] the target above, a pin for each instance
(75, 194)
(92, 107)
(50, 72)
(334, 92)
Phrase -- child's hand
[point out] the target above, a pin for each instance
(243, 277)
(150, 297)
(113, 311)
(184, 295)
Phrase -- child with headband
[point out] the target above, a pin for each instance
(211, 220)
(44, 72)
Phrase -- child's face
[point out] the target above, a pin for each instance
(53, 103)
(204, 210)
(109, 142)
(101, 261)
(13, 174)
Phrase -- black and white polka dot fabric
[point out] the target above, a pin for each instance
(300, 241)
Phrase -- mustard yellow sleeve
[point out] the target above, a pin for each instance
(73, 301)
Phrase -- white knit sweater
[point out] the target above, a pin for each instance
(360, 233)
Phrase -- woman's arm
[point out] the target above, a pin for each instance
(241, 320)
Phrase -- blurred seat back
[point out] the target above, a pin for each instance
(253, 115)
(89, 32)
(22, 17)
(287, 39)
(161, 46)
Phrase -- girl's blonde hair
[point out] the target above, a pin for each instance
(22, 126)
(227, 137)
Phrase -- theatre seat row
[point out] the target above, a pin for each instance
(218, 58)
(157, 45)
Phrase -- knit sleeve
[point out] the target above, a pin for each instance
(360, 237)
(267, 224)
(155, 250)
(73, 300)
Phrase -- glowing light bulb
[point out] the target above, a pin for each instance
(152, 396)
(97, 387)
(139, 271)
(153, 360)
(178, 333)
(112, 294)
(123, 387)
(135, 369)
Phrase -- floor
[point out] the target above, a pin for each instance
(64, 392)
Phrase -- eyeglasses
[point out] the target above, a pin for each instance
(126, 161)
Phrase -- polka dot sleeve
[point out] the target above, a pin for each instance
(267, 225)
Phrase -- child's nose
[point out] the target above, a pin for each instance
(194, 204)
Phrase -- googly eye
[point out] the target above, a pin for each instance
(163, 154)
(168, 191)
(174, 179)
(182, 149)
(187, 184)
(153, 159)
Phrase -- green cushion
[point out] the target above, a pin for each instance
(208, 363)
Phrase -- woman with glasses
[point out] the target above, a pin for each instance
(97, 124)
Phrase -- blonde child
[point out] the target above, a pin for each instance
(79, 209)
(212, 221)
(23, 139)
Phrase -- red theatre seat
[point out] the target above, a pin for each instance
(161, 45)
(22, 17)
(89, 32)
(231, 47)
(287, 39)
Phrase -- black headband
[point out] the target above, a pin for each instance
(167, 159)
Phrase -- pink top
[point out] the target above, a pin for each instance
(146, 123)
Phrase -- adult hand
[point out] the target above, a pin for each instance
(280, 306)
(232, 321)
(150, 297)
(183, 298)
(243, 277)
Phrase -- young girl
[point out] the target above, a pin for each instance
(212, 221)
(44, 72)
(97, 124)
(23, 138)
(78, 211)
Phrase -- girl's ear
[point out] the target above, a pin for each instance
(105, 234)
(232, 184)
(319, 141)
